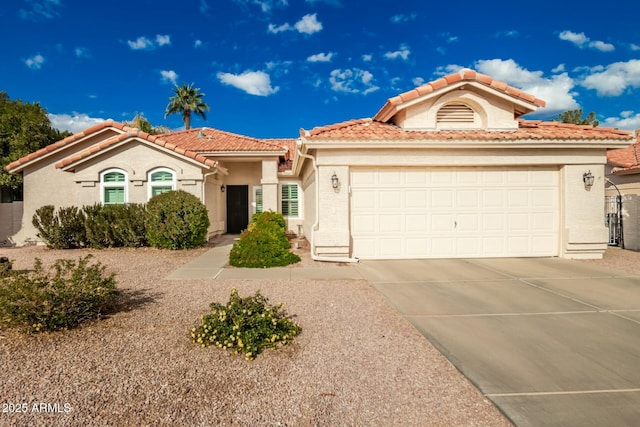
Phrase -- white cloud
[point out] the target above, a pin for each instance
(367, 58)
(556, 91)
(163, 39)
(82, 52)
(75, 122)
(198, 43)
(308, 24)
(169, 76)
(402, 53)
(402, 18)
(634, 47)
(140, 43)
(329, 2)
(278, 29)
(144, 43)
(321, 57)
(252, 82)
(444, 70)
(614, 79)
(417, 81)
(40, 10)
(582, 41)
(35, 62)
(448, 37)
(353, 80)
(559, 69)
(628, 120)
(507, 34)
(265, 5)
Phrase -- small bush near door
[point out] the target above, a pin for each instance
(176, 220)
(263, 244)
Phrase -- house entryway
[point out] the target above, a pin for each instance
(237, 208)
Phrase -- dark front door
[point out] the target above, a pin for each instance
(237, 208)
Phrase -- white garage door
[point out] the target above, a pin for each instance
(454, 212)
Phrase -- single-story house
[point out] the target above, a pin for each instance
(448, 169)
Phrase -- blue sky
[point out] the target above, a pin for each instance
(271, 67)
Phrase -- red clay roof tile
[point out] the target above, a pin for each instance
(370, 129)
(188, 143)
(388, 110)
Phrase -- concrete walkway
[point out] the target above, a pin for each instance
(213, 265)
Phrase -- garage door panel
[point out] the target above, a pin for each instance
(417, 223)
(391, 223)
(442, 199)
(454, 212)
(416, 199)
(390, 199)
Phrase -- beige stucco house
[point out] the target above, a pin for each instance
(448, 169)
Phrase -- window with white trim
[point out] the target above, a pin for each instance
(257, 199)
(290, 200)
(113, 187)
(161, 181)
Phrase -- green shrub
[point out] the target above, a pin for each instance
(246, 325)
(60, 297)
(5, 266)
(269, 217)
(115, 225)
(260, 248)
(263, 244)
(176, 220)
(61, 229)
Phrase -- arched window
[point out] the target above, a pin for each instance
(113, 187)
(160, 181)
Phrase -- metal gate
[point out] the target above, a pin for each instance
(613, 219)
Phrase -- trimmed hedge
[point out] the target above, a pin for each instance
(109, 226)
(176, 220)
(61, 229)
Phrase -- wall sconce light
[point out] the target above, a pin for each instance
(588, 178)
(222, 188)
(335, 182)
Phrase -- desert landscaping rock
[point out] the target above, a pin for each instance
(357, 362)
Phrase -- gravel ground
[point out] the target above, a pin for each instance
(356, 363)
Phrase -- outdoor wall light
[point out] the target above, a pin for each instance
(588, 178)
(222, 188)
(335, 182)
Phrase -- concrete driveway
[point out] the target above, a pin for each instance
(551, 342)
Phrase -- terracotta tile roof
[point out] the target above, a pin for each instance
(64, 142)
(187, 143)
(211, 140)
(625, 159)
(370, 129)
(391, 106)
(134, 133)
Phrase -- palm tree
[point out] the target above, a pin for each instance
(187, 100)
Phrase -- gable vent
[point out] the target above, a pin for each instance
(455, 113)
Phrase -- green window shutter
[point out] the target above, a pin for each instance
(290, 200)
(162, 176)
(258, 199)
(155, 190)
(113, 195)
(113, 177)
